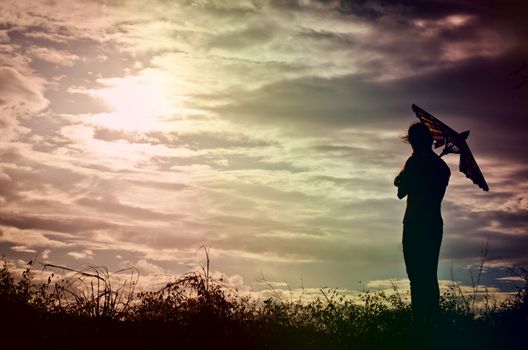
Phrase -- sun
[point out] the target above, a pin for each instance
(137, 102)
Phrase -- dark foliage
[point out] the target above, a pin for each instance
(91, 311)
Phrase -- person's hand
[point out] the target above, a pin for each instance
(397, 180)
(401, 183)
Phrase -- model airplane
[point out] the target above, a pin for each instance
(453, 142)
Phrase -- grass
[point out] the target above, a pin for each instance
(97, 309)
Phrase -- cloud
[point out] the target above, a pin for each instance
(109, 205)
(86, 254)
(20, 94)
(364, 9)
(54, 56)
(148, 268)
(60, 20)
(23, 249)
(29, 238)
(56, 223)
(242, 38)
(268, 130)
(4, 37)
(45, 254)
(482, 293)
(314, 103)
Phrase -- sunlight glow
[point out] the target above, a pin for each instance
(137, 103)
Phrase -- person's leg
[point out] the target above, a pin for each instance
(421, 248)
(413, 256)
(431, 271)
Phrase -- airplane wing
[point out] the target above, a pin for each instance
(468, 165)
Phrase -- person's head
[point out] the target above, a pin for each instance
(419, 137)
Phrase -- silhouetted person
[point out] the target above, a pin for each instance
(423, 180)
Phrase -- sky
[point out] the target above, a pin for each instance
(133, 133)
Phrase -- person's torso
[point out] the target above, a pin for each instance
(428, 176)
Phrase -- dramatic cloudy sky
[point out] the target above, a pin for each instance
(134, 132)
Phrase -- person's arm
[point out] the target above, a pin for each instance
(444, 181)
(402, 181)
(402, 185)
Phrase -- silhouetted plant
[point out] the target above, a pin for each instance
(197, 309)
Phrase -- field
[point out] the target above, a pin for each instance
(91, 309)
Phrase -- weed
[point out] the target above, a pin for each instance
(93, 307)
